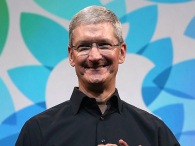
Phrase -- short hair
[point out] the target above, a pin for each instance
(94, 15)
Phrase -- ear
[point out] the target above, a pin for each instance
(71, 56)
(122, 52)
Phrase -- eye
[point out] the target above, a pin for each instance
(104, 46)
(83, 47)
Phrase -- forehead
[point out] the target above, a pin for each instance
(94, 32)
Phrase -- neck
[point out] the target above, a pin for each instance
(100, 93)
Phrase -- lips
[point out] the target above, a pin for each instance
(95, 67)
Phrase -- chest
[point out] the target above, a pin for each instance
(91, 130)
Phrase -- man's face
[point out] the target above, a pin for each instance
(96, 67)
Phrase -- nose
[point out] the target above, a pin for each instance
(94, 54)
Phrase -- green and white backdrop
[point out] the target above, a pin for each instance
(157, 76)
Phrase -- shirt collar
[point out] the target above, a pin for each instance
(78, 96)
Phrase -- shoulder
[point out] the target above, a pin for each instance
(150, 123)
(35, 126)
(53, 110)
(52, 113)
(142, 115)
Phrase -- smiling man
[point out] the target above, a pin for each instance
(95, 114)
(95, 53)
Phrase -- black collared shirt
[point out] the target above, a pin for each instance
(79, 122)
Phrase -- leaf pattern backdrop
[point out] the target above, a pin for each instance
(157, 76)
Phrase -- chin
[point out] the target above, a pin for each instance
(96, 81)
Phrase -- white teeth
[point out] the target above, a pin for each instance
(100, 66)
(95, 67)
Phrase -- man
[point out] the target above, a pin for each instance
(95, 114)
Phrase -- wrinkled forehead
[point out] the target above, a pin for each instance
(101, 30)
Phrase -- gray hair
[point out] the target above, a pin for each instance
(93, 15)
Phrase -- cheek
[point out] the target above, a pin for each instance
(115, 62)
(113, 68)
(114, 59)
(79, 63)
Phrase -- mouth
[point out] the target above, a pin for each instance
(95, 67)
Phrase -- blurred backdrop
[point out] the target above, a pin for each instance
(157, 76)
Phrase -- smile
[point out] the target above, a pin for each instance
(96, 67)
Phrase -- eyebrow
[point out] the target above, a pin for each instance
(94, 41)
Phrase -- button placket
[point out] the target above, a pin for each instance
(101, 131)
(103, 141)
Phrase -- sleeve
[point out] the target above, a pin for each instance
(166, 137)
(30, 134)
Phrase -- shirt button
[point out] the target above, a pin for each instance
(102, 118)
(103, 140)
